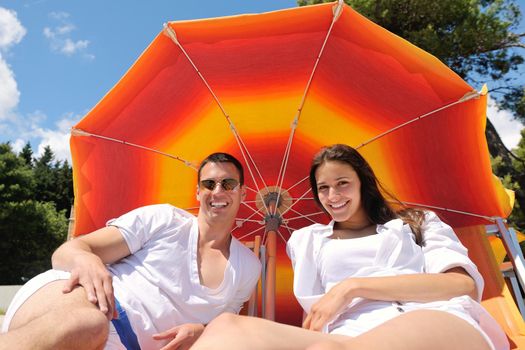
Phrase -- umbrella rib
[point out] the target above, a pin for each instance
(467, 97)
(252, 209)
(281, 235)
(304, 199)
(251, 220)
(250, 233)
(488, 218)
(294, 203)
(251, 189)
(80, 132)
(288, 228)
(284, 164)
(301, 216)
(297, 183)
(242, 146)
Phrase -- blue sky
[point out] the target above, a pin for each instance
(59, 57)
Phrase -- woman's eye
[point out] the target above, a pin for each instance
(343, 183)
(321, 188)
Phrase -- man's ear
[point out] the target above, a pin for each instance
(243, 192)
(197, 194)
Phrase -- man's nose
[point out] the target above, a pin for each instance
(218, 187)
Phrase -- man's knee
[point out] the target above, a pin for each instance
(86, 324)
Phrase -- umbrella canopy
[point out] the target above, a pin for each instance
(272, 89)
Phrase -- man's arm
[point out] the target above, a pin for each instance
(86, 258)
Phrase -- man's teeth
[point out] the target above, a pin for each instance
(218, 204)
(336, 206)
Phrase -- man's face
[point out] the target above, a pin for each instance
(218, 204)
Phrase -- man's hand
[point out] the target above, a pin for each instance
(182, 336)
(90, 273)
(86, 258)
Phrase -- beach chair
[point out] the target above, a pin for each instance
(262, 301)
(497, 297)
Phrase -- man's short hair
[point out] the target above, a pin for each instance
(221, 157)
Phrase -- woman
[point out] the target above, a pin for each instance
(372, 278)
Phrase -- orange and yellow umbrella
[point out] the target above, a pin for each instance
(272, 89)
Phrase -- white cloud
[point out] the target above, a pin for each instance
(508, 128)
(70, 47)
(18, 144)
(59, 15)
(60, 37)
(57, 139)
(11, 33)
(9, 94)
(11, 30)
(29, 128)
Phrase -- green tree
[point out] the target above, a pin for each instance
(16, 180)
(514, 179)
(29, 233)
(64, 187)
(30, 230)
(27, 154)
(54, 181)
(44, 176)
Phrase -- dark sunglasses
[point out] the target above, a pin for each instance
(226, 184)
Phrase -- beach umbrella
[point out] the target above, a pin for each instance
(272, 89)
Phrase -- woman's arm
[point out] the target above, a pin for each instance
(415, 287)
(423, 287)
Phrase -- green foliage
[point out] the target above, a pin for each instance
(54, 181)
(31, 226)
(29, 233)
(16, 180)
(518, 177)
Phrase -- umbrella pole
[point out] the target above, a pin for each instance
(269, 311)
(272, 221)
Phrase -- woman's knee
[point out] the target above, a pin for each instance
(225, 321)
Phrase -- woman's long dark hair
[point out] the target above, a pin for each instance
(374, 203)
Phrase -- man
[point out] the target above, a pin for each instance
(156, 267)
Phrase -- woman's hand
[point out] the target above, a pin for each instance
(329, 306)
(182, 336)
(91, 273)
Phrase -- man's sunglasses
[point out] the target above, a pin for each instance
(226, 184)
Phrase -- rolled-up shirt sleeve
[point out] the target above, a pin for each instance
(443, 251)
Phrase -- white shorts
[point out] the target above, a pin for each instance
(372, 314)
(37, 282)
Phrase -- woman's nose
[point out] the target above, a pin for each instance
(333, 193)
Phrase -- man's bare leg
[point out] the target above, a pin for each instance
(52, 320)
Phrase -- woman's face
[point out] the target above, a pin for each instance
(339, 190)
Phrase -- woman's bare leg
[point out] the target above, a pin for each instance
(229, 331)
(424, 329)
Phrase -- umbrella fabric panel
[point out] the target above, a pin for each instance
(243, 82)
